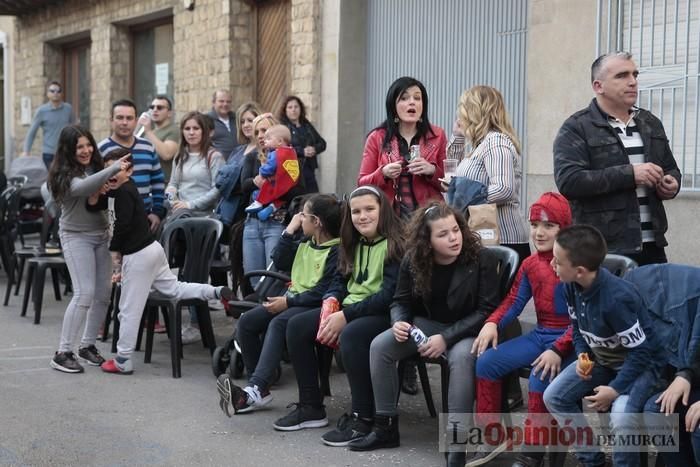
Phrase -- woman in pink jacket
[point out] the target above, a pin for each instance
(387, 163)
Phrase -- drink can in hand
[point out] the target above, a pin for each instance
(414, 152)
(418, 336)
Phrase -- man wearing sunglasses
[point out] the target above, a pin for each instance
(162, 132)
(51, 118)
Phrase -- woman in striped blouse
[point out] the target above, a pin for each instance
(494, 160)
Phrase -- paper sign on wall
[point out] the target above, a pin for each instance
(25, 115)
(162, 78)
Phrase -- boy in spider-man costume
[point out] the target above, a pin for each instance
(548, 348)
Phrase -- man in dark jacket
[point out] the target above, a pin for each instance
(613, 162)
(224, 137)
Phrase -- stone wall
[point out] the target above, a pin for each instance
(305, 44)
(212, 48)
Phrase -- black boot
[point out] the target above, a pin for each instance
(456, 459)
(384, 434)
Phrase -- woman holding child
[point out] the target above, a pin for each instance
(261, 236)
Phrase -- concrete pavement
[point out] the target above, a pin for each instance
(49, 418)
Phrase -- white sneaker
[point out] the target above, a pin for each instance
(190, 335)
(255, 399)
(255, 206)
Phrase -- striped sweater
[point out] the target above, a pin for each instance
(148, 175)
(497, 165)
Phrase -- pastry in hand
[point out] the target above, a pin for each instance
(585, 364)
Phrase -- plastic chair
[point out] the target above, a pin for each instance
(507, 268)
(20, 256)
(8, 226)
(618, 264)
(201, 235)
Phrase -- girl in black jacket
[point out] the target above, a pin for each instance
(446, 289)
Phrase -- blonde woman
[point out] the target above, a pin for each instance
(494, 160)
(260, 237)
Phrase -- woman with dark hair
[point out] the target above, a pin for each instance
(192, 189)
(371, 247)
(387, 163)
(446, 289)
(76, 173)
(192, 183)
(305, 139)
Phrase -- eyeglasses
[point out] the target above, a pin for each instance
(54, 90)
(157, 107)
(303, 215)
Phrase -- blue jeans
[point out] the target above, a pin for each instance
(517, 353)
(565, 393)
(48, 158)
(688, 443)
(263, 337)
(90, 267)
(259, 239)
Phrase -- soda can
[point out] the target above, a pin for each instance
(418, 336)
(414, 152)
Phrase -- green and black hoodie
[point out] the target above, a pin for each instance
(312, 268)
(370, 288)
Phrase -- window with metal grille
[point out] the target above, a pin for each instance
(664, 37)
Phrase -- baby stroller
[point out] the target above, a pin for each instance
(227, 358)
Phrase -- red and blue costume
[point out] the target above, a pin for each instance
(537, 280)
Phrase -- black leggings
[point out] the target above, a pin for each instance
(355, 340)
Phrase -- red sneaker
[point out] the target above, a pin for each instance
(113, 366)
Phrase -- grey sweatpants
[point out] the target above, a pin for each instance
(90, 266)
(386, 351)
(143, 271)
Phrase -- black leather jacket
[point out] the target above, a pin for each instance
(593, 171)
(473, 295)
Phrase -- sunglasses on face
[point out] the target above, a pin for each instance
(157, 107)
(54, 91)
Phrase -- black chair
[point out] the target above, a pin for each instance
(507, 268)
(21, 255)
(201, 235)
(618, 264)
(272, 283)
(8, 226)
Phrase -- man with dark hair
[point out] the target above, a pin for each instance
(148, 176)
(612, 160)
(224, 137)
(51, 118)
(160, 130)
